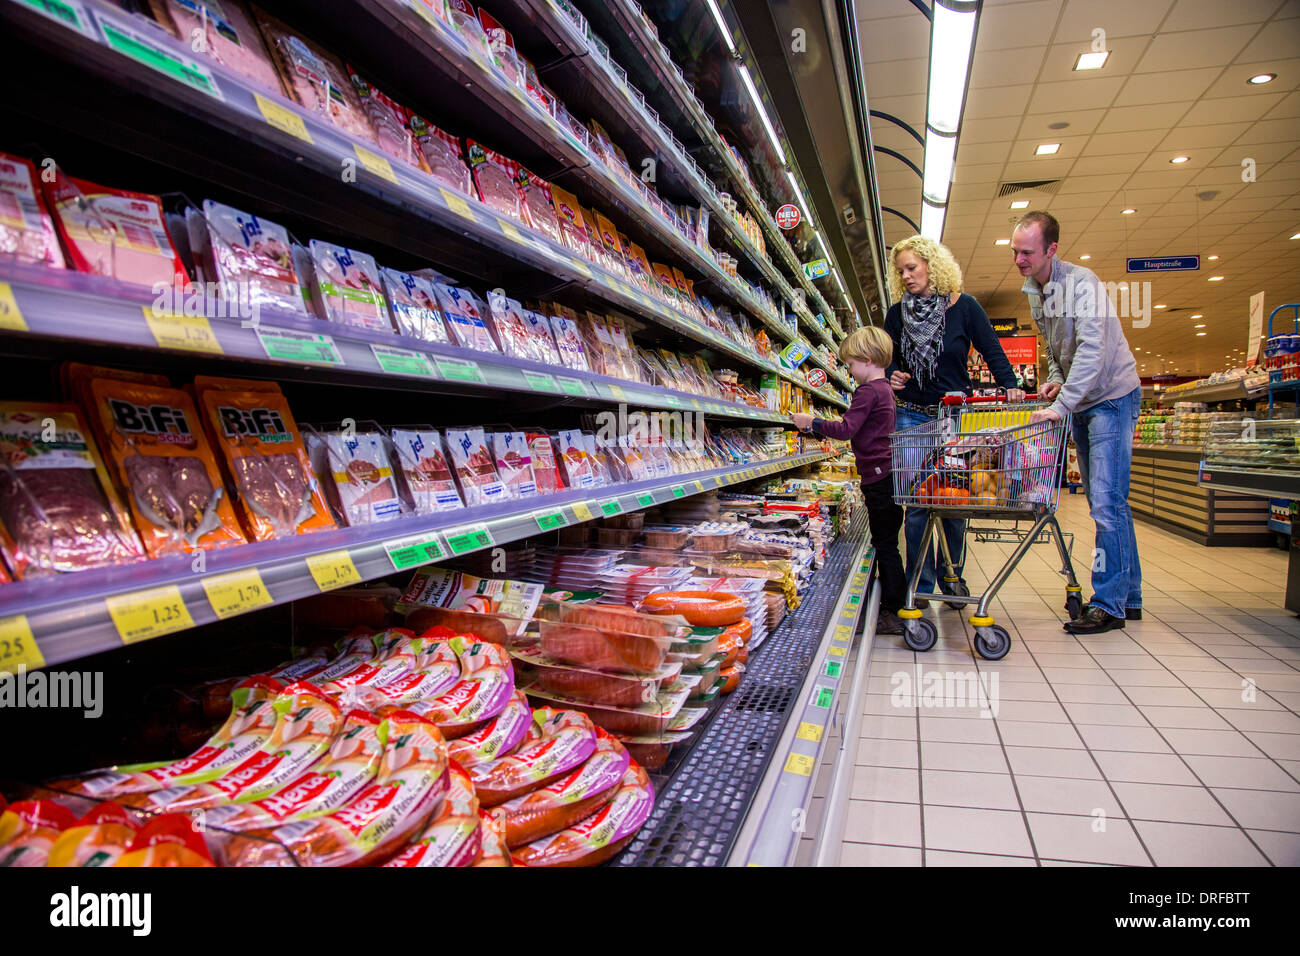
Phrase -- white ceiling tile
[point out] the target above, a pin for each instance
(1007, 68)
(978, 173)
(1194, 48)
(1076, 94)
(1233, 109)
(1093, 184)
(1202, 14)
(1004, 101)
(1272, 131)
(1232, 82)
(1277, 41)
(1133, 141)
(1101, 165)
(899, 78)
(987, 130)
(1058, 65)
(1006, 27)
(1173, 87)
(1123, 119)
(910, 109)
(977, 153)
(1117, 17)
(891, 137)
(895, 38)
(1184, 139)
(1081, 123)
(1265, 154)
(1288, 108)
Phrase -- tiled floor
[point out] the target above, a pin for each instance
(1175, 742)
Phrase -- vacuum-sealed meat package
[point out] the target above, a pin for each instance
(363, 487)
(114, 232)
(452, 837)
(601, 835)
(59, 509)
(569, 341)
(579, 471)
(413, 302)
(442, 154)
(495, 177)
(464, 314)
(26, 229)
(568, 215)
(514, 464)
(512, 330)
(228, 35)
(542, 338)
(475, 467)
(466, 22)
(538, 207)
(252, 258)
(386, 119)
(545, 469)
(502, 45)
(425, 470)
(349, 286)
(163, 463)
(267, 462)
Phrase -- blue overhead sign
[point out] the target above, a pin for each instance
(1165, 264)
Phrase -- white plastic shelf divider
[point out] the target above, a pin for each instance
(73, 616)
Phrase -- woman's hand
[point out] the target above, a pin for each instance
(802, 421)
(898, 380)
(1015, 395)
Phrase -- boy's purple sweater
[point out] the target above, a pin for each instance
(866, 426)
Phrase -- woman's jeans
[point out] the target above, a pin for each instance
(1103, 437)
(954, 529)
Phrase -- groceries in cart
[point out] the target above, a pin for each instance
(995, 467)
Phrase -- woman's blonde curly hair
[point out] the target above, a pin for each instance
(945, 274)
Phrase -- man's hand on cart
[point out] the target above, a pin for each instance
(1015, 395)
(802, 421)
(1045, 415)
(898, 380)
(1049, 390)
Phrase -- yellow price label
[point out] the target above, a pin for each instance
(618, 393)
(837, 651)
(235, 593)
(699, 486)
(509, 231)
(283, 118)
(18, 646)
(800, 764)
(843, 632)
(717, 481)
(457, 204)
(375, 163)
(580, 267)
(193, 333)
(811, 732)
(333, 570)
(11, 317)
(149, 614)
(582, 512)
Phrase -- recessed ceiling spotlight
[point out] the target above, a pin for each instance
(1162, 306)
(1198, 316)
(1091, 61)
(1127, 212)
(1200, 333)
(1059, 124)
(1216, 278)
(1296, 236)
(1085, 257)
(1002, 242)
(1261, 78)
(1046, 149)
(1199, 325)
(1212, 258)
(1020, 204)
(1179, 159)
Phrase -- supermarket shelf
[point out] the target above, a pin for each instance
(700, 810)
(1210, 394)
(226, 104)
(55, 305)
(1293, 386)
(110, 607)
(1249, 481)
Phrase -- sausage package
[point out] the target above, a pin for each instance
(35, 825)
(564, 739)
(361, 484)
(98, 839)
(442, 154)
(569, 341)
(579, 471)
(26, 229)
(59, 509)
(538, 206)
(601, 835)
(486, 686)
(165, 467)
(114, 232)
(464, 314)
(495, 177)
(475, 467)
(252, 257)
(229, 36)
(349, 286)
(386, 119)
(452, 837)
(568, 216)
(413, 302)
(492, 835)
(498, 737)
(514, 464)
(267, 462)
(425, 470)
(545, 469)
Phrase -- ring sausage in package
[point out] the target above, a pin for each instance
(475, 467)
(229, 36)
(414, 304)
(607, 637)
(492, 834)
(171, 840)
(349, 286)
(487, 682)
(412, 781)
(565, 801)
(442, 154)
(59, 509)
(539, 210)
(251, 258)
(453, 835)
(315, 79)
(387, 121)
(165, 467)
(34, 826)
(579, 471)
(392, 655)
(26, 229)
(495, 177)
(425, 471)
(358, 473)
(514, 464)
(99, 838)
(584, 683)
(114, 232)
(601, 835)
(545, 470)
(265, 457)
(650, 717)
(563, 740)
(498, 737)
(464, 313)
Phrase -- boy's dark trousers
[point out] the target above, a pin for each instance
(885, 519)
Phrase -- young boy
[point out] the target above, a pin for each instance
(866, 426)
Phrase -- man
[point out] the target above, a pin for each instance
(1093, 375)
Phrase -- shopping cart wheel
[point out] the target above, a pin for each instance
(959, 588)
(920, 634)
(1073, 605)
(992, 642)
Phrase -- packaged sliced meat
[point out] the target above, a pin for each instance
(609, 237)
(502, 45)
(598, 687)
(363, 488)
(163, 463)
(497, 738)
(475, 467)
(267, 462)
(565, 739)
(495, 177)
(426, 471)
(533, 87)
(59, 509)
(464, 314)
(98, 839)
(539, 208)
(114, 232)
(639, 266)
(252, 258)
(487, 682)
(568, 216)
(514, 464)
(452, 837)
(492, 833)
(579, 470)
(512, 332)
(442, 154)
(39, 823)
(569, 341)
(542, 338)
(314, 78)
(465, 19)
(26, 229)
(566, 800)
(545, 469)
(599, 466)
(411, 782)
(349, 766)
(601, 835)
(387, 121)
(413, 302)
(223, 30)
(652, 752)
(350, 287)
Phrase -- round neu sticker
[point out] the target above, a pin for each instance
(816, 377)
(787, 217)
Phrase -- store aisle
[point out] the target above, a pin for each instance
(1174, 742)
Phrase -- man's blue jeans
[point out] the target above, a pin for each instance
(1103, 437)
(954, 529)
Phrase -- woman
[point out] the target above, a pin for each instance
(934, 325)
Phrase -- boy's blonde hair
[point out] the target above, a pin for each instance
(868, 344)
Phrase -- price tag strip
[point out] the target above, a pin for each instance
(11, 317)
(148, 614)
(333, 570)
(193, 333)
(397, 361)
(463, 540)
(309, 348)
(236, 593)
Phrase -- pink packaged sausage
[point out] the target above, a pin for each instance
(514, 464)
(26, 229)
(464, 314)
(495, 177)
(426, 471)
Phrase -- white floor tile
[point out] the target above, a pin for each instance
(1181, 844)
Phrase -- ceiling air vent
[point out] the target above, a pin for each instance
(1042, 185)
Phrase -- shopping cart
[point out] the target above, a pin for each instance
(983, 462)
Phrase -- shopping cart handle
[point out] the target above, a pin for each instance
(981, 399)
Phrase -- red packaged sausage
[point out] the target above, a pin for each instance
(565, 740)
(601, 835)
(453, 836)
